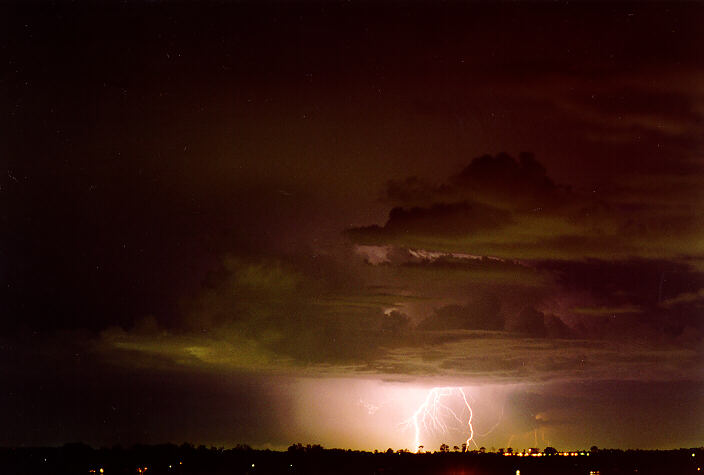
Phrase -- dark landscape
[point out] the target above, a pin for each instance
(299, 459)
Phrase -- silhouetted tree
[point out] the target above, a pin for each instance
(298, 447)
(315, 448)
(550, 451)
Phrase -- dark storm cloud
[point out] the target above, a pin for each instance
(481, 314)
(524, 180)
(268, 317)
(264, 314)
(454, 218)
(540, 219)
(533, 323)
(499, 179)
(601, 300)
(593, 299)
(295, 311)
(486, 314)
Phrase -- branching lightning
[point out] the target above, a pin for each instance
(437, 416)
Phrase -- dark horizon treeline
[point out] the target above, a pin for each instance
(79, 458)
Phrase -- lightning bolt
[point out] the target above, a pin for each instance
(435, 414)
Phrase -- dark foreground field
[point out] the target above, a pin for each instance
(79, 459)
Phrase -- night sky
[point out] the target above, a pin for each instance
(270, 223)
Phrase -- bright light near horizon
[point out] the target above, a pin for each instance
(372, 414)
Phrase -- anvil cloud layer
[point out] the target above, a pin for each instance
(516, 290)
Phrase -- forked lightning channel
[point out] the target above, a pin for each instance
(436, 415)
